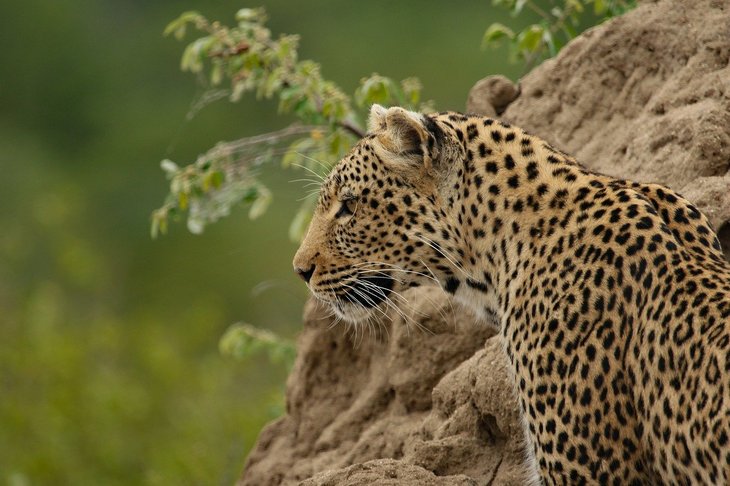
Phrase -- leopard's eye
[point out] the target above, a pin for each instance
(347, 207)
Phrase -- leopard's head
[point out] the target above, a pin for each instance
(381, 223)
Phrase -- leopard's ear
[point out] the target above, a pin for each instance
(407, 131)
(405, 134)
(376, 120)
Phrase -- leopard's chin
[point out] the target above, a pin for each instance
(353, 313)
(364, 296)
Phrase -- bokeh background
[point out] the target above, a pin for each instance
(109, 364)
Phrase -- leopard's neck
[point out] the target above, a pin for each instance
(513, 193)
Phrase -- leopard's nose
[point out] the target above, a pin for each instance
(305, 274)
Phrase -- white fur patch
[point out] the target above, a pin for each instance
(376, 120)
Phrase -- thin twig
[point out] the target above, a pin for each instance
(273, 137)
(357, 131)
(538, 10)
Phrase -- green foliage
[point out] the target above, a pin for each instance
(558, 24)
(242, 341)
(251, 60)
(140, 407)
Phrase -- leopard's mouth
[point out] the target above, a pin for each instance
(361, 297)
(368, 291)
(356, 300)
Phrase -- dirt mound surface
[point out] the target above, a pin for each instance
(426, 397)
(643, 97)
(407, 390)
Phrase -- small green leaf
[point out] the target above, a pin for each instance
(261, 204)
(574, 5)
(519, 5)
(195, 53)
(212, 180)
(599, 7)
(257, 15)
(238, 89)
(169, 166)
(177, 26)
(195, 225)
(375, 89)
(182, 200)
(159, 223)
(216, 179)
(287, 95)
(529, 39)
(250, 194)
(495, 33)
(216, 73)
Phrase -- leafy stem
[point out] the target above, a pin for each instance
(558, 26)
(249, 58)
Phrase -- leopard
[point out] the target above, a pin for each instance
(612, 297)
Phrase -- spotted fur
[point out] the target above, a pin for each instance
(613, 297)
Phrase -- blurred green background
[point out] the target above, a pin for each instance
(109, 364)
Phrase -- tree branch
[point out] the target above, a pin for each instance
(353, 129)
